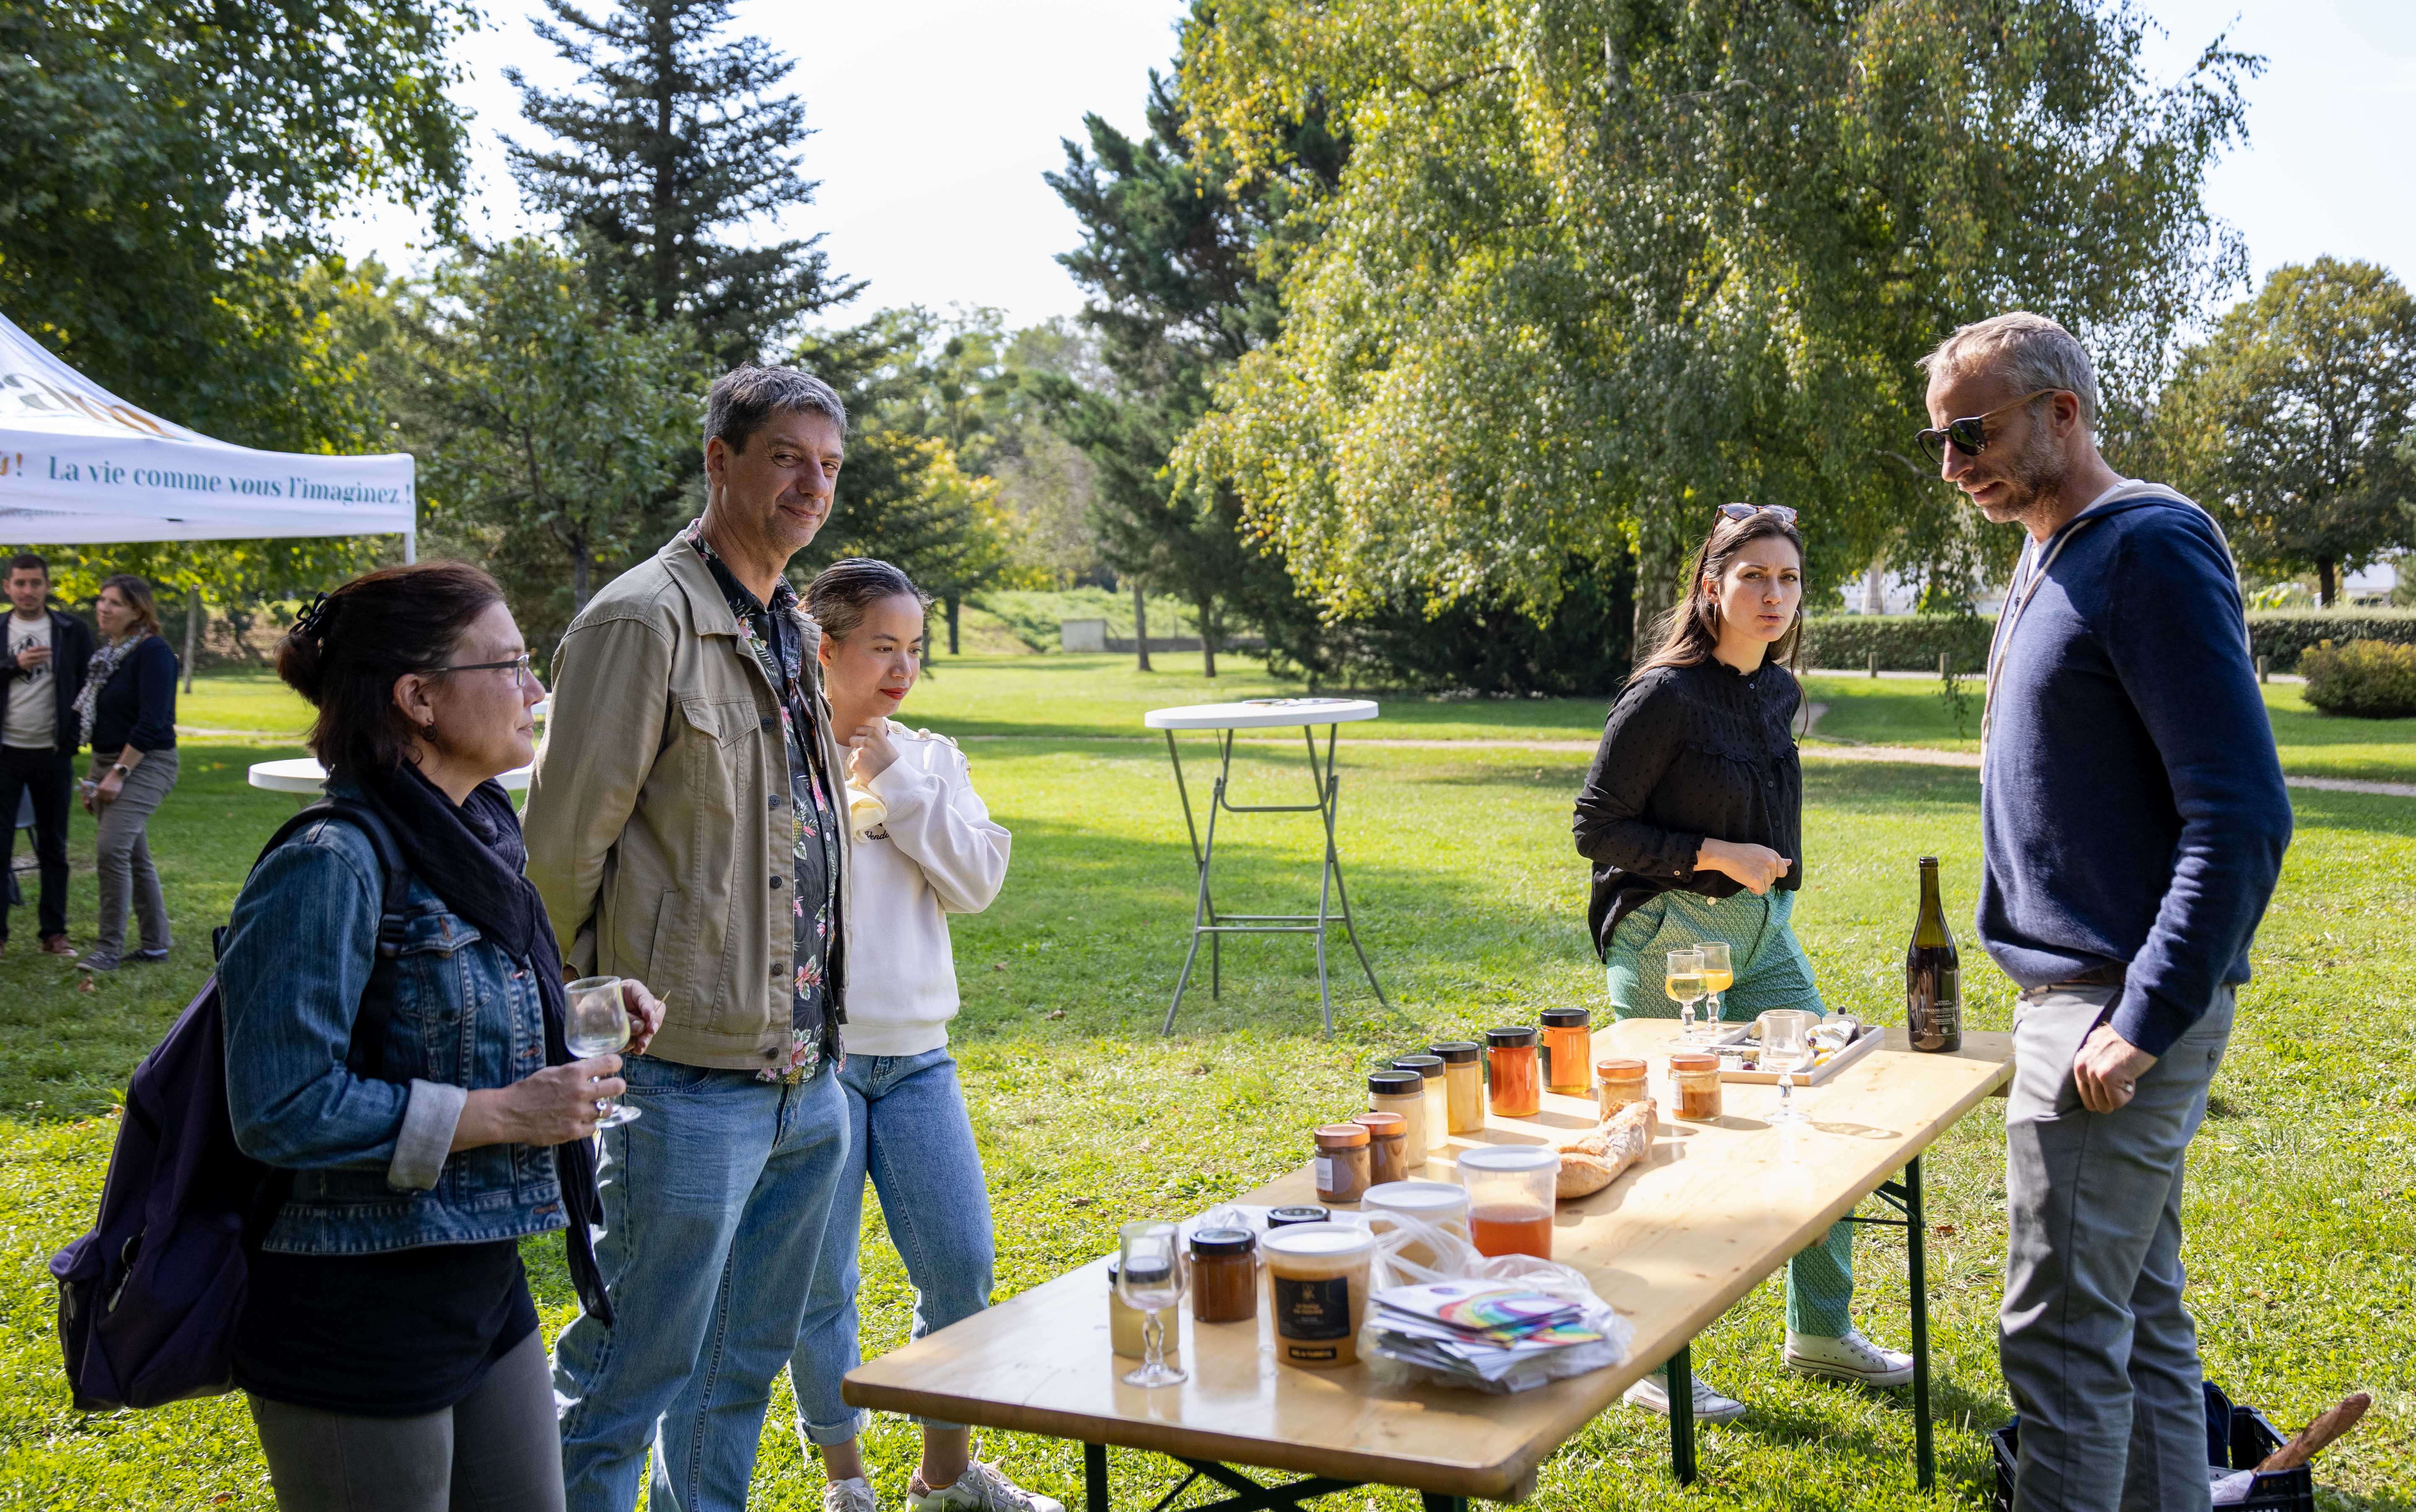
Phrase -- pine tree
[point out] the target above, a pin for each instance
(672, 140)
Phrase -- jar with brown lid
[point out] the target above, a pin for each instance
(1387, 1146)
(1224, 1275)
(1516, 1087)
(1695, 1081)
(1622, 1081)
(1568, 1050)
(1404, 1095)
(1341, 1162)
(1463, 1083)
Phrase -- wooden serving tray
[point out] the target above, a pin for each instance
(1861, 1045)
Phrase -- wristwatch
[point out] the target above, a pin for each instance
(121, 769)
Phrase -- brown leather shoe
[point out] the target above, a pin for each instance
(57, 945)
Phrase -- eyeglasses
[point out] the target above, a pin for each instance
(518, 665)
(1749, 511)
(1970, 434)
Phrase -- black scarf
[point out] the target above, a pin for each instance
(473, 857)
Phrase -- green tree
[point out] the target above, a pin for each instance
(2296, 421)
(1181, 270)
(674, 142)
(549, 421)
(1593, 268)
(172, 169)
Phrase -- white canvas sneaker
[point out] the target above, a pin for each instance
(1652, 1394)
(980, 1488)
(853, 1495)
(1850, 1358)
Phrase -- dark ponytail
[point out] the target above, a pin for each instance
(348, 649)
(840, 592)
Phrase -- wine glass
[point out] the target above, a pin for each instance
(1718, 976)
(1684, 982)
(1786, 1048)
(1150, 1277)
(598, 1024)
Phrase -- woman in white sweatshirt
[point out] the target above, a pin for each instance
(921, 848)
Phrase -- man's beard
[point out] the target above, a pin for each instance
(2030, 476)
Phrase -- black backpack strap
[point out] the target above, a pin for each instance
(367, 1052)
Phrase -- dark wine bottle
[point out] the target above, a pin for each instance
(1933, 974)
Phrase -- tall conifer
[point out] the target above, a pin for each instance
(673, 138)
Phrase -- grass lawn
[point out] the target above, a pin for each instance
(2302, 1250)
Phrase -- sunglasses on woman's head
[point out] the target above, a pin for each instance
(1749, 511)
(1970, 435)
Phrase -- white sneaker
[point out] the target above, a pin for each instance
(980, 1488)
(1652, 1394)
(1850, 1358)
(852, 1495)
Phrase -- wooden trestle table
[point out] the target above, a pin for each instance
(1715, 1209)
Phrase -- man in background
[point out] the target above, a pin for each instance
(39, 678)
(2132, 825)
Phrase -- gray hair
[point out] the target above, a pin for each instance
(747, 395)
(2029, 351)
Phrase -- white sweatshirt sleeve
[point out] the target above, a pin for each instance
(938, 822)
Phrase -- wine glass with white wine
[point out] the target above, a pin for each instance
(598, 1024)
(1684, 982)
(1719, 974)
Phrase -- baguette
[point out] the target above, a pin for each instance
(1594, 1160)
(2316, 1435)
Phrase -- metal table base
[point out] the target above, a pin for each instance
(1333, 899)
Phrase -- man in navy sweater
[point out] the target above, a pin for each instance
(2133, 820)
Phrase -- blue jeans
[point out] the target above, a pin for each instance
(714, 1209)
(907, 1127)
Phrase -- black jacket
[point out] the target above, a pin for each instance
(71, 647)
(137, 706)
(1689, 753)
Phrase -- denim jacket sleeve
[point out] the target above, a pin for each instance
(300, 947)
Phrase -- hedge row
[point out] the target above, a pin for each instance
(1911, 642)
(2371, 679)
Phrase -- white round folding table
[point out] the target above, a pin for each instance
(305, 779)
(1333, 900)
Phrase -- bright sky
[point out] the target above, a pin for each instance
(937, 118)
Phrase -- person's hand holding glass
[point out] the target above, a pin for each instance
(1149, 1278)
(1786, 1048)
(1684, 982)
(609, 1016)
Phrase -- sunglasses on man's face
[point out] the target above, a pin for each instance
(1970, 435)
(1749, 511)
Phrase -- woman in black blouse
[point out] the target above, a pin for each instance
(128, 709)
(1693, 816)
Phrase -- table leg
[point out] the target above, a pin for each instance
(1916, 1233)
(1437, 1501)
(1681, 1378)
(1095, 1477)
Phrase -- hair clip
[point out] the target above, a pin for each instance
(313, 618)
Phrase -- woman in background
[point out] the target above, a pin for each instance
(128, 709)
(922, 846)
(1693, 815)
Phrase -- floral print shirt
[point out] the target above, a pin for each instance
(771, 633)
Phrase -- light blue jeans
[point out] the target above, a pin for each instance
(907, 1127)
(715, 1203)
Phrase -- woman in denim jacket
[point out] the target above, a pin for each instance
(388, 1343)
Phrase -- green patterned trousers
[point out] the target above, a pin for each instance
(1771, 972)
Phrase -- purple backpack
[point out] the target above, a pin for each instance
(148, 1298)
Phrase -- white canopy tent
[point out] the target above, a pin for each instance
(79, 464)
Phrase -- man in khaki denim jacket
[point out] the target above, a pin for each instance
(685, 827)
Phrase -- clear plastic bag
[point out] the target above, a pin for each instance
(1450, 1257)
